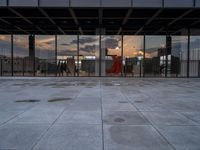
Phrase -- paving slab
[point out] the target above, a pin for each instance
(182, 137)
(195, 116)
(168, 118)
(133, 138)
(20, 136)
(36, 115)
(72, 137)
(120, 106)
(82, 117)
(84, 107)
(7, 115)
(124, 118)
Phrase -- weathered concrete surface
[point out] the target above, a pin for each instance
(99, 114)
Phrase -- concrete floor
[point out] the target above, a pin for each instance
(99, 114)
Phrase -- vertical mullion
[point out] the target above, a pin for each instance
(56, 54)
(166, 55)
(34, 56)
(12, 61)
(188, 55)
(78, 67)
(144, 47)
(100, 57)
(122, 53)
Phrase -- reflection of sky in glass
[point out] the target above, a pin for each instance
(67, 45)
(21, 45)
(45, 46)
(113, 44)
(89, 45)
(195, 48)
(5, 45)
(179, 46)
(132, 45)
(153, 43)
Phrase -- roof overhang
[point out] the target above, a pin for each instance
(69, 20)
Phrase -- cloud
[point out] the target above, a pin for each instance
(67, 53)
(89, 48)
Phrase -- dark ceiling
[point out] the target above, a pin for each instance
(87, 20)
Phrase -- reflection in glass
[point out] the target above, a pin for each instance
(111, 55)
(22, 62)
(67, 55)
(88, 55)
(133, 55)
(45, 60)
(5, 55)
(179, 56)
(195, 56)
(155, 59)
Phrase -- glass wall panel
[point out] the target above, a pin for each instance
(194, 56)
(133, 47)
(179, 56)
(111, 55)
(155, 58)
(45, 59)
(5, 55)
(67, 62)
(22, 62)
(88, 55)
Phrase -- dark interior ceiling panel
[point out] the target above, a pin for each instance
(87, 20)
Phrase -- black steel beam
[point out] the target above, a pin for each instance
(193, 24)
(128, 14)
(149, 21)
(3, 30)
(5, 21)
(100, 16)
(51, 20)
(75, 20)
(174, 21)
(26, 20)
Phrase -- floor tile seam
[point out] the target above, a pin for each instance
(159, 133)
(190, 119)
(46, 131)
(196, 123)
(102, 123)
(16, 116)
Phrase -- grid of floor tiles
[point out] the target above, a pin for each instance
(99, 114)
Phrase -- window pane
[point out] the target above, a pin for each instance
(155, 56)
(5, 55)
(133, 55)
(88, 55)
(179, 56)
(22, 62)
(67, 55)
(111, 55)
(195, 56)
(45, 61)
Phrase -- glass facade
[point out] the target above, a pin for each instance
(179, 55)
(5, 55)
(45, 55)
(155, 56)
(67, 59)
(133, 55)
(194, 56)
(105, 55)
(22, 64)
(88, 55)
(111, 55)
